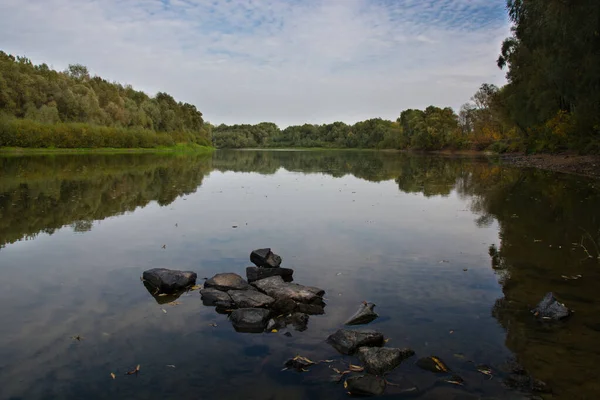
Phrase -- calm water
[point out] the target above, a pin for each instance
(411, 234)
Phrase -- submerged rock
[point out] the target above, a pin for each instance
(551, 309)
(265, 258)
(257, 273)
(379, 360)
(227, 281)
(298, 320)
(250, 298)
(365, 385)
(364, 315)
(432, 364)
(164, 280)
(211, 296)
(299, 363)
(249, 319)
(275, 287)
(348, 341)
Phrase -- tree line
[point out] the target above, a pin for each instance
(41, 107)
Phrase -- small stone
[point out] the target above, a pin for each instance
(379, 360)
(364, 315)
(252, 320)
(227, 281)
(257, 273)
(250, 298)
(365, 385)
(275, 287)
(164, 280)
(550, 309)
(348, 341)
(265, 258)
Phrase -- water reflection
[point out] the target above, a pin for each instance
(410, 233)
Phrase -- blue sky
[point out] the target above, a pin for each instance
(289, 62)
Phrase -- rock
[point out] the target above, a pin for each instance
(265, 258)
(249, 319)
(379, 360)
(310, 309)
(299, 363)
(550, 309)
(211, 296)
(227, 281)
(257, 273)
(365, 385)
(364, 315)
(275, 287)
(348, 341)
(432, 364)
(284, 306)
(298, 320)
(164, 280)
(250, 299)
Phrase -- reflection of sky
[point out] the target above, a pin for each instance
(358, 240)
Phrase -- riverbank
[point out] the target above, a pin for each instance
(567, 162)
(179, 148)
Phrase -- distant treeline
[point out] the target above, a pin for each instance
(551, 102)
(41, 107)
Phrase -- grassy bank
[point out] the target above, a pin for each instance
(178, 148)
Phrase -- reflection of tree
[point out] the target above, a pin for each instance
(43, 194)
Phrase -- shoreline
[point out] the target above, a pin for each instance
(181, 148)
(570, 163)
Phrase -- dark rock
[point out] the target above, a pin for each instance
(299, 363)
(275, 287)
(540, 386)
(365, 385)
(257, 273)
(551, 309)
(364, 315)
(288, 334)
(211, 296)
(249, 319)
(164, 280)
(225, 282)
(250, 298)
(310, 309)
(265, 258)
(432, 364)
(348, 341)
(298, 320)
(284, 306)
(379, 360)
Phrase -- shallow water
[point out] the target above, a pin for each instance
(409, 233)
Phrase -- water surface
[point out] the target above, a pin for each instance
(409, 233)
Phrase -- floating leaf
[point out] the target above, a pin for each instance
(274, 330)
(455, 380)
(356, 368)
(112, 375)
(77, 337)
(134, 372)
(162, 294)
(174, 303)
(196, 287)
(214, 325)
(170, 366)
(163, 310)
(439, 364)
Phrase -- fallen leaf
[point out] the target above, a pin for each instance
(112, 375)
(451, 332)
(439, 364)
(162, 295)
(170, 366)
(386, 340)
(173, 303)
(77, 337)
(356, 368)
(274, 330)
(214, 325)
(133, 372)
(163, 310)
(196, 287)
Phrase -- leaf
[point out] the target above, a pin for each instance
(274, 330)
(439, 364)
(162, 295)
(174, 303)
(163, 310)
(137, 368)
(112, 375)
(213, 324)
(356, 368)
(170, 365)
(196, 287)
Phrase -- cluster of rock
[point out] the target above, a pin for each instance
(267, 300)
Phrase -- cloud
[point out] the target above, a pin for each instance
(289, 62)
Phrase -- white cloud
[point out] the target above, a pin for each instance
(267, 60)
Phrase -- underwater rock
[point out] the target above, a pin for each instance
(250, 298)
(348, 341)
(164, 280)
(432, 364)
(365, 385)
(364, 315)
(265, 258)
(227, 281)
(379, 360)
(253, 320)
(551, 309)
(257, 273)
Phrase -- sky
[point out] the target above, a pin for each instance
(285, 61)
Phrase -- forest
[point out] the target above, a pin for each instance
(550, 103)
(41, 107)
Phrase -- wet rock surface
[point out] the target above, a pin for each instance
(164, 280)
(364, 315)
(265, 258)
(379, 360)
(365, 385)
(257, 273)
(213, 297)
(299, 321)
(348, 341)
(250, 299)
(276, 287)
(226, 282)
(550, 309)
(250, 319)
